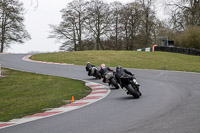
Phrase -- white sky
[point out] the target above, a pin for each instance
(37, 24)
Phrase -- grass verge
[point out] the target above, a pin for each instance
(23, 93)
(128, 59)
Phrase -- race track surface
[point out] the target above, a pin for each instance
(170, 103)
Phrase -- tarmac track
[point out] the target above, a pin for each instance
(170, 103)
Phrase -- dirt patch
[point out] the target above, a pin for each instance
(5, 73)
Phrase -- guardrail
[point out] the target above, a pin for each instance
(189, 51)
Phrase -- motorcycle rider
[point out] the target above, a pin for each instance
(89, 67)
(122, 72)
(103, 71)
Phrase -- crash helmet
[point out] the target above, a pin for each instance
(88, 62)
(118, 67)
(103, 66)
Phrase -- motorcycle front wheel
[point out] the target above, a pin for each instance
(132, 91)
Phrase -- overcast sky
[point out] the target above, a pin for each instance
(37, 24)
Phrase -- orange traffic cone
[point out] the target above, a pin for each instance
(73, 99)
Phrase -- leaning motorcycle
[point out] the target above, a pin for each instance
(131, 86)
(95, 72)
(111, 80)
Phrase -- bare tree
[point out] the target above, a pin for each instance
(71, 28)
(148, 21)
(12, 28)
(192, 12)
(125, 23)
(98, 20)
(114, 26)
(185, 13)
(65, 31)
(116, 9)
(78, 8)
(135, 22)
(131, 21)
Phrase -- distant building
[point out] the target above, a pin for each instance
(163, 41)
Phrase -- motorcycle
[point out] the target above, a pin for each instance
(131, 86)
(111, 80)
(95, 72)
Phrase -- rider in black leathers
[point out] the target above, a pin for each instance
(103, 71)
(122, 72)
(89, 67)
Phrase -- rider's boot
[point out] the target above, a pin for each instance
(127, 92)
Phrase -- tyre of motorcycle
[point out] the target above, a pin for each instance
(136, 87)
(114, 83)
(132, 91)
(98, 75)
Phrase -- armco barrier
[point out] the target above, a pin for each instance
(189, 51)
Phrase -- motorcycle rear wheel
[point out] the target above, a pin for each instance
(97, 75)
(114, 83)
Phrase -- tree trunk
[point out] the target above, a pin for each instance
(98, 33)
(1, 47)
(2, 37)
(74, 39)
(116, 32)
(3, 19)
(147, 28)
(126, 36)
(97, 42)
(80, 33)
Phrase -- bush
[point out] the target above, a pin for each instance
(190, 38)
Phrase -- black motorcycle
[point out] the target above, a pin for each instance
(95, 72)
(111, 80)
(131, 86)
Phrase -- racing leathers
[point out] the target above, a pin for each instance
(103, 71)
(120, 72)
(89, 69)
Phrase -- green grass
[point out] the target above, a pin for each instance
(23, 93)
(128, 59)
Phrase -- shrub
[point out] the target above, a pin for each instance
(190, 38)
